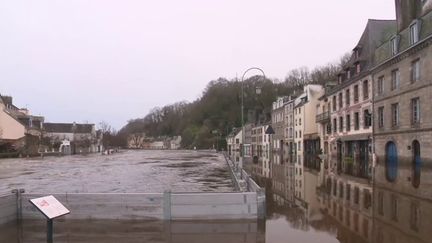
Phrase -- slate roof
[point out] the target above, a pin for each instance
(68, 128)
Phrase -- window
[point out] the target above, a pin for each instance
(394, 207)
(348, 217)
(300, 122)
(415, 111)
(334, 187)
(415, 71)
(367, 199)
(334, 103)
(394, 42)
(356, 94)
(356, 121)
(334, 125)
(416, 164)
(395, 81)
(381, 117)
(340, 100)
(365, 228)
(237, 141)
(414, 32)
(356, 222)
(365, 89)
(341, 190)
(381, 85)
(348, 123)
(381, 203)
(348, 192)
(300, 134)
(347, 97)
(358, 68)
(367, 119)
(348, 73)
(395, 114)
(391, 161)
(340, 124)
(356, 195)
(415, 216)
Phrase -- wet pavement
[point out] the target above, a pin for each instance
(127, 171)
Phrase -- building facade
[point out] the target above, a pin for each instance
(403, 127)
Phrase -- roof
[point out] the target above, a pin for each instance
(68, 128)
(375, 33)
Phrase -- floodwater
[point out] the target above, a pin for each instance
(128, 171)
(319, 217)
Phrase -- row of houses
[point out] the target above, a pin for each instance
(364, 137)
(141, 141)
(24, 134)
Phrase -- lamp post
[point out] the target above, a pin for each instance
(242, 110)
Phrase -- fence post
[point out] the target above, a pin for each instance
(167, 205)
(18, 193)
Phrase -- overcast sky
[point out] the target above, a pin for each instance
(113, 60)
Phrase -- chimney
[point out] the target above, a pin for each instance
(406, 12)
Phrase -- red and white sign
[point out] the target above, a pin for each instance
(50, 207)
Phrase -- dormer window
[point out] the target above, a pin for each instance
(394, 42)
(414, 32)
(358, 67)
(340, 78)
(357, 52)
(348, 74)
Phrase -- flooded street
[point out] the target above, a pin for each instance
(321, 217)
(127, 171)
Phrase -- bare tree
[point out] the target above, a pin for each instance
(136, 140)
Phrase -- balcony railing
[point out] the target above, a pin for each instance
(323, 117)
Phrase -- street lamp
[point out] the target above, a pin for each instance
(258, 90)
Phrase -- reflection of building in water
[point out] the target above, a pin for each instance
(306, 142)
(289, 152)
(279, 165)
(260, 143)
(403, 131)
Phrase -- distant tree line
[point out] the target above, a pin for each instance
(203, 122)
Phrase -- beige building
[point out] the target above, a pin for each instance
(306, 146)
(19, 131)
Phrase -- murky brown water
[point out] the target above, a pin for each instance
(128, 171)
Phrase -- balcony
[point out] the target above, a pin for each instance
(323, 117)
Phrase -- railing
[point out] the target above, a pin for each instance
(243, 182)
(323, 117)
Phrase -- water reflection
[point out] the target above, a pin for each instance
(90, 231)
(323, 203)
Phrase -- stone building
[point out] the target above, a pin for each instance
(402, 125)
(72, 138)
(345, 120)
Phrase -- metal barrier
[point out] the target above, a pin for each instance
(242, 181)
(8, 208)
(150, 206)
